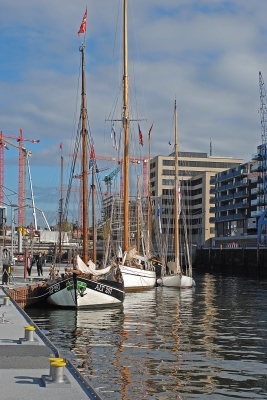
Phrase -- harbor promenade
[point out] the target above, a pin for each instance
(31, 367)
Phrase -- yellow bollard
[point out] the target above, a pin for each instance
(53, 360)
(6, 300)
(58, 371)
(29, 330)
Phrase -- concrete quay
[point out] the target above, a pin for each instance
(28, 360)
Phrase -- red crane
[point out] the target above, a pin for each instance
(2, 147)
(22, 174)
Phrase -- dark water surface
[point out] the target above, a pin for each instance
(171, 344)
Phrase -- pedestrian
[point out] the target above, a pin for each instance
(40, 263)
(29, 265)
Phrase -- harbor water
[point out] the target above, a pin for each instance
(164, 343)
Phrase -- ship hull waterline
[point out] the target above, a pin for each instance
(178, 280)
(80, 292)
(137, 279)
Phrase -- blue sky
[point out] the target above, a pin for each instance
(206, 53)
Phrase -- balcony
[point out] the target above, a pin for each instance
(256, 191)
(256, 156)
(227, 207)
(230, 217)
(255, 179)
(238, 195)
(256, 213)
(256, 168)
(224, 198)
(239, 216)
(257, 202)
(220, 219)
(241, 204)
(213, 181)
(225, 177)
(213, 190)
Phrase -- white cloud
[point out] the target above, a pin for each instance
(206, 53)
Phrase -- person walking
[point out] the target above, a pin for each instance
(40, 263)
(29, 265)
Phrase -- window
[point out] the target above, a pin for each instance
(168, 182)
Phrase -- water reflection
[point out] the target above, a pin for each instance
(170, 344)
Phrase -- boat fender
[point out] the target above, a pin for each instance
(159, 282)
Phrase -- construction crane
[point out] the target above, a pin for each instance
(22, 173)
(79, 176)
(133, 160)
(2, 147)
(262, 155)
(108, 178)
(27, 153)
(263, 115)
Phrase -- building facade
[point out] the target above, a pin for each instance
(238, 201)
(196, 172)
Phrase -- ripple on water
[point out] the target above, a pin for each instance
(170, 344)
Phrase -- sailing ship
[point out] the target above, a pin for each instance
(175, 277)
(138, 271)
(83, 285)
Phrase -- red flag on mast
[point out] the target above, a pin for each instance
(149, 133)
(140, 136)
(83, 24)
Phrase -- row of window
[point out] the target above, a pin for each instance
(198, 164)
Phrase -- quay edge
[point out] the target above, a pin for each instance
(20, 379)
(247, 262)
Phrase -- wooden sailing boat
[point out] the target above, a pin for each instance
(138, 271)
(84, 286)
(175, 277)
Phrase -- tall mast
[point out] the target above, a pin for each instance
(149, 230)
(176, 209)
(126, 123)
(84, 134)
(94, 232)
(138, 216)
(61, 208)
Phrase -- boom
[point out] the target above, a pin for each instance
(108, 178)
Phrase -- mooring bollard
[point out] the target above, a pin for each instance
(58, 371)
(52, 368)
(29, 330)
(6, 300)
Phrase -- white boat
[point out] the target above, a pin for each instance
(84, 286)
(172, 276)
(137, 274)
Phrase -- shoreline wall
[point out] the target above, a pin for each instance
(249, 262)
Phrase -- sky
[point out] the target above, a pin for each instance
(206, 54)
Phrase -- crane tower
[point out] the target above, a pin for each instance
(263, 116)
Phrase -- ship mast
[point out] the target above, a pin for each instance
(94, 231)
(176, 188)
(126, 123)
(149, 227)
(84, 135)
